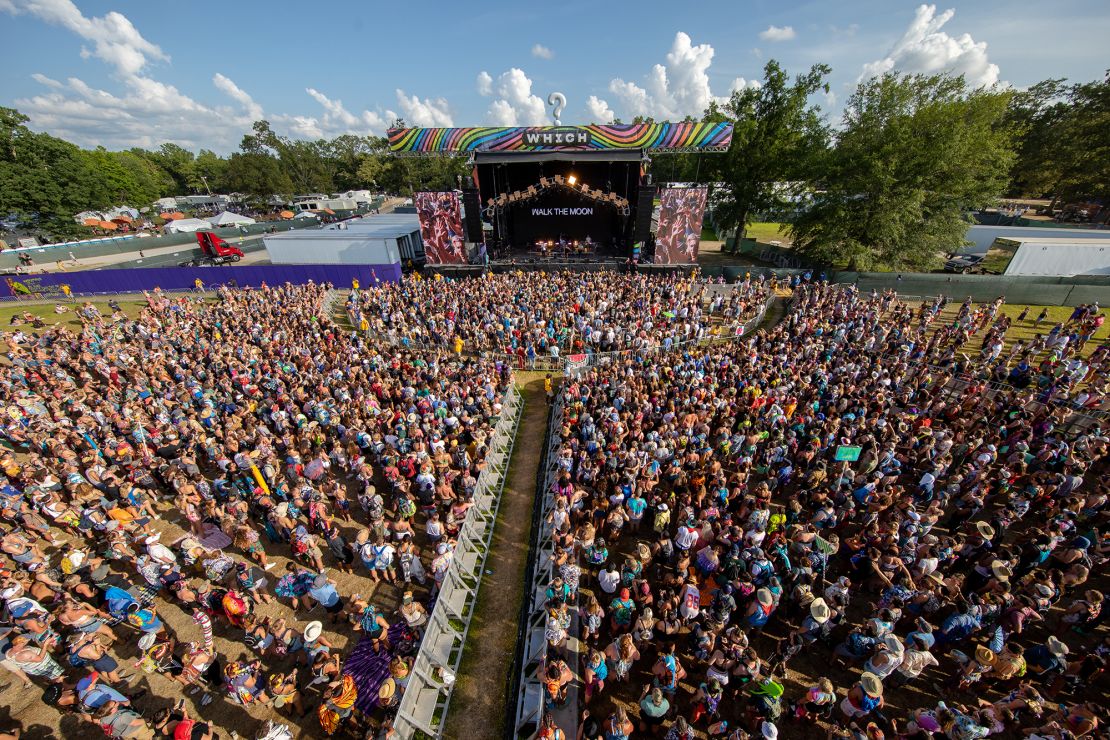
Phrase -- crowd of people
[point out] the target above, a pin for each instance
(219, 497)
(856, 524)
(530, 315)
(206, 474)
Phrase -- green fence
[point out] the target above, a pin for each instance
(1040, 291)
(121, 245)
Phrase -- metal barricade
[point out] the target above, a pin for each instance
(423, 708)
(530, 691)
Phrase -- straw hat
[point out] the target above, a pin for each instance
(983, 654)
(872, 684)
(985, 530)
(388, 689)
(1000, 570)
(312, 630)
(819, 610)
(764, 597)
(1056, 647)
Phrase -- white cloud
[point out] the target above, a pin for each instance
(777, 33)
(115, 40)
(673, 90)
(151, 112)
(44, 80)
(434, 112)
(741, 84)
(539, 51)
(515, 104)
(599, 111)
(485, 83)
(236, 93)
(926, 49)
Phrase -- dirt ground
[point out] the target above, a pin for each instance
(19, 707)
(481, 695)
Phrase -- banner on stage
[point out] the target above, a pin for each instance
(441, 228)
(681, 211)
(690, 136)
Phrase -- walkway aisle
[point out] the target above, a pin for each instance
(478, 706)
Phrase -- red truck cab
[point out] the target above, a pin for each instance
(215, 250)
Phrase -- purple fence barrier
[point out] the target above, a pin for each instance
(137, 280)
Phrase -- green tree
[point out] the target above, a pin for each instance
(257, 174)
(209, 172)
(1063, 140)
(778, 139)
(44, 180)
(1034, 117)
(914, 155)
(175, 161)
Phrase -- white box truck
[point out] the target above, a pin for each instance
(1049, 256)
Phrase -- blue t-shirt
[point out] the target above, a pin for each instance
(98, 695)
(326, 595)
(636, 506)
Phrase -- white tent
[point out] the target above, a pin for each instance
(186, 226)
(306, 214)
(227, 218)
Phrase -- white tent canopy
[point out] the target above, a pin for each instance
(186, 226)
(306, 214)
(227, 218)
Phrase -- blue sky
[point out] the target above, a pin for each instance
(129, 73)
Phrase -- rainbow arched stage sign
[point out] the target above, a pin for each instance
(659, 137)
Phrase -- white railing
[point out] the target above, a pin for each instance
(530, 700)
(423, 708)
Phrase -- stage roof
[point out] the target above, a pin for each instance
(657, 137)
(613, 155)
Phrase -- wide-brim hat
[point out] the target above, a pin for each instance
(820, 611)
(312, 630)
(764, 596)
(1056, 646)
(983, 654)
(985, 530)
(1000, 570)
(872, 684)
(388, 689)
(893, 644)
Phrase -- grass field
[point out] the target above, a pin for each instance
(45, 311)
(765, 231)
(1026, 329)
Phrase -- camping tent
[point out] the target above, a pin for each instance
(186, 226)
(227, 218)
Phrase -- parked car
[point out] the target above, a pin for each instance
(964, 263)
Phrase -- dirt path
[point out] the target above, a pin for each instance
(478, 705)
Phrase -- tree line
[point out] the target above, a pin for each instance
(888, 185)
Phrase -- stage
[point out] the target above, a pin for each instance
(553, 265)
(561, 197)
(542, 204)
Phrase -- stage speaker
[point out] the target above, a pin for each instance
(473, 210)
(645, 201)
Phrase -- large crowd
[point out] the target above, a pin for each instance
(235, 503)
(161, 469)
(859, 523)
(530, 315)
